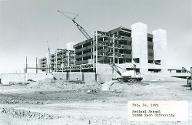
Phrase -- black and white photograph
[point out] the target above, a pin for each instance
(95, 62)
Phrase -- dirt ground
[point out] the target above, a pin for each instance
(68, 103)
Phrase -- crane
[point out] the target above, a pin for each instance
(81, 29)
(189, 78)
(127, 75)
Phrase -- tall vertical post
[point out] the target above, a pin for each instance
(113, 41)
(83, 77)
(36, 66)
(94, 52)
(67, 76)
(26, 65)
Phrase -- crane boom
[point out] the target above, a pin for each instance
(80, 28)
(116, 69)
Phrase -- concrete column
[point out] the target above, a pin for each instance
(37, 66)
(95, 76)
(140, 46)
(113, 41)
(96, 51)
(83, 77)
(67, 76)
(160, 47)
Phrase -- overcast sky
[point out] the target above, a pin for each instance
(26, 25)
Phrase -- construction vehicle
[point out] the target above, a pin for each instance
(128, 75)
(189, 78)
(81, 29)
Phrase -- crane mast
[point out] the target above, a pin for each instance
(80, 28)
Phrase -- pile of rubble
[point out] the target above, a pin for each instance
(48, 84)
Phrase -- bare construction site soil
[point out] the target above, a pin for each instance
(72, 103)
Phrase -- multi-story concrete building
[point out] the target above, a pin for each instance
(123, 45)
(57, 61)
(62, 58)
(113, 46)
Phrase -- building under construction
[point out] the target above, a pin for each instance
(112, 47)
(57, 61)
(123, 45)
(119, 46)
